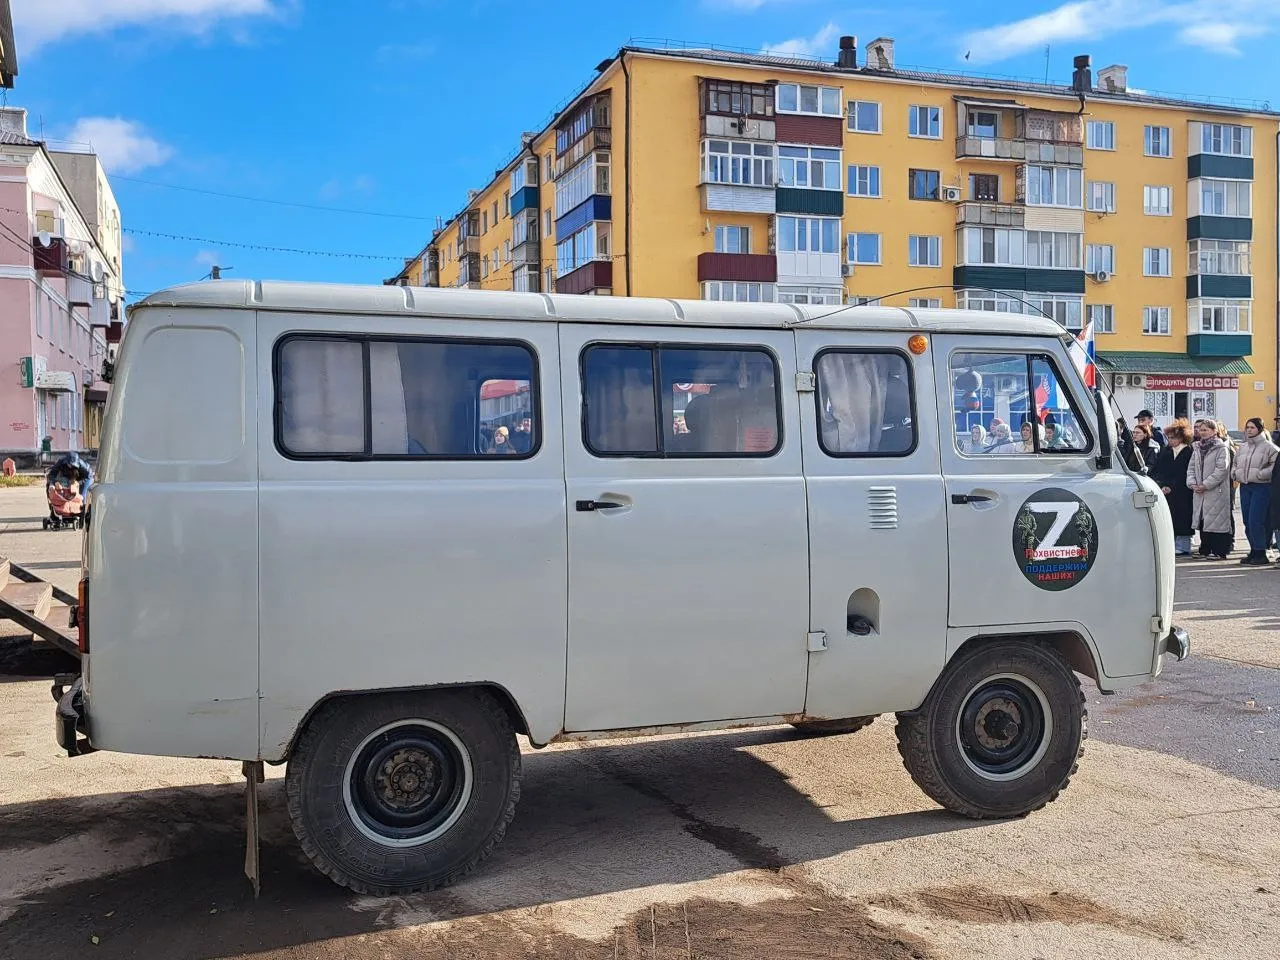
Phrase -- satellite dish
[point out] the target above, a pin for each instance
(44, 238)
(97, 272)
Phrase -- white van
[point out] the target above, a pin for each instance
(377, 532)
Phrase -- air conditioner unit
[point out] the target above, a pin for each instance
(846, 269)
(1101, 276)
(87, 378)
(1008, 384)
(952, 194)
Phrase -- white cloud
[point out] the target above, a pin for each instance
(206, 258)
(123, 146)
(336, 187)
(821, 44)
(1215, 25)
(38, 22)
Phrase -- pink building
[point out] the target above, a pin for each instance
(61, 296)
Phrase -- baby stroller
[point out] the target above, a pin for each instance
(67, 487)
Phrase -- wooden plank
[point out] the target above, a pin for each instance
(65, 641)
(26, 576)
(59, 616)
(34, 598)
(4, 569)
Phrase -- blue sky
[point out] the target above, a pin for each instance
(397, 106)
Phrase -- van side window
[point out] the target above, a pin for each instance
(866, 405)
(1014, 404)
(677, 401)
(374, 398)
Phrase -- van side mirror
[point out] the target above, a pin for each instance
(1103, 460)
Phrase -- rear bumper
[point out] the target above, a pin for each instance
(1176, 643)
(69, 716)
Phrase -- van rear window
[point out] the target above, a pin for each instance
(375, 398)
(678, 401)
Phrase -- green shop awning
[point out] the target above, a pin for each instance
(1140, 361)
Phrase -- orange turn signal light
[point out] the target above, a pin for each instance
(918, 344)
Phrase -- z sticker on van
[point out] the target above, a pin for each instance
(1055, 539)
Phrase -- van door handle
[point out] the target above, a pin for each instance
(962, 498)
(591, 506)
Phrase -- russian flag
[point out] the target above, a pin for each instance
(1082, 352)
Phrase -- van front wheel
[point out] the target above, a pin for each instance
(1001, 733)
(401, 792)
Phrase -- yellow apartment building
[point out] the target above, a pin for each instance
(699, 173)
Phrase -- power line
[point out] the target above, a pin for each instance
(277, 203)
(263, 247)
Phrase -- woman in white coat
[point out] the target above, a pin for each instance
(1255, 461)
(1209, 477)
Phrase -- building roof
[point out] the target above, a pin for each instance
(14, 139)
(968, 80)
(1140, 361)
(8, 48)
(430, 302)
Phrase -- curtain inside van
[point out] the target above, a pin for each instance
(322, 396)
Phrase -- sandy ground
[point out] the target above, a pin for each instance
(747, 844)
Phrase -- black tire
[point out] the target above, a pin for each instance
(829, 728)
(380, 795)
(1000, 734)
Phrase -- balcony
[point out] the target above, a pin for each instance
(598, 138)
(469, 272)
(79, 291)
(818, 203)
(748, 267)
(991, 148)
(528, 252)
(468, 245)
(596, 276)
(51, 260)
(978, 213)
(1219, 286)
(1219, 345)
(738, 198)
(1038, 279)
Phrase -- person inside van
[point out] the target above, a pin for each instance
(977, 442)
(1031, 443)
(1001, 439)
(502, 442)
(522, 440)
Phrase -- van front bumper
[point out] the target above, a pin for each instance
(69, 715)
(1177, 643)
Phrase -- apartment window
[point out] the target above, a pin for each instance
(1226, 138)
(984, 187)
(493, 216)
(994, 246)
(864, 116)
(1065, 309)
(523, 230)
(1059, 251)
(41, 306)
(524, 175)
(1103, 317)
(484, 267)
(984, 124)
(811, 295)
(588, 244)
(524, 279)
(817, 168)
(925, 122)
(864, 181)
(733, 239)
(549, 280)
(1155, 262)
(639, 401)
(548, 168)
(1100, 257)
(845, 426)
(808, 235)
(1053, 186)
(484, 221)
(1222, 316)
(1155, 321)
(804, 99)
(589, 177)
(1100, 135)
(925, 185)
(1227, 258)
(1158, 142)
(924, 251)
(1101, 197)
(731, 99)
(924, 303)
(738, 162)
(738, 292)
(376, 399)
(1157, 201)
(864, 248)
(1226, 198)
(547, 225)
(588, 116)
(506, 204)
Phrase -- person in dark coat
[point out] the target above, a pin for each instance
(1147, 419)
(1170, 471)
(1145, 446)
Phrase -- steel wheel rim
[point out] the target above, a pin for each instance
(407, 783)
(1004, 727)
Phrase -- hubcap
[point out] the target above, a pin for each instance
(1004, 727)
(407, 783)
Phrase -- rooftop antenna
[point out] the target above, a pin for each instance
(1046, 63)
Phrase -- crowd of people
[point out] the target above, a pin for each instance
(1201, 468)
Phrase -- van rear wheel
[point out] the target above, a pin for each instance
(396, 793)
(1001, 733)
(829, 728)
